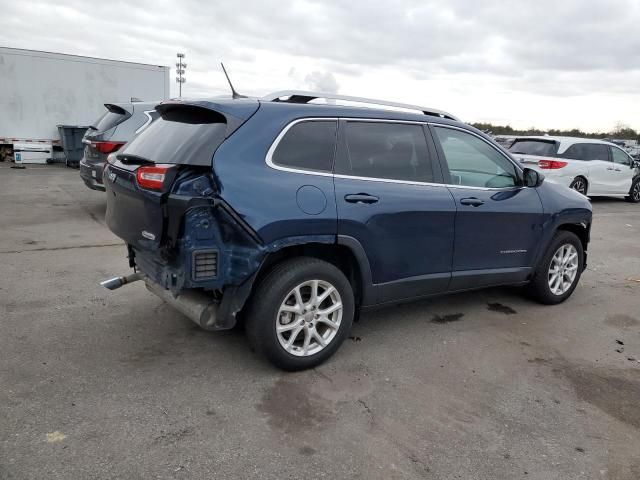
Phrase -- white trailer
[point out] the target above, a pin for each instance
(40, 90)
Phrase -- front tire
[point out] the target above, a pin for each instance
(559, 271)
(300, 313)
(580, 185)
(634, 192)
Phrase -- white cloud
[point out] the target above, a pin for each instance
(574, 63)
(322, 82)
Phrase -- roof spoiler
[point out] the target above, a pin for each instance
(120, 109)
(234, 113)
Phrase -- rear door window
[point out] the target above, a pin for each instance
(308, 145)
(394, 151)
(540, 148)
(587, 152)
(472, 162)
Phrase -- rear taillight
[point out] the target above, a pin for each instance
(107, 147)
(152, 178)
(551, 164)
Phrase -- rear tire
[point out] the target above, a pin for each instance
(559, 270)
(300, 313)
(634, 191)
(580, 185)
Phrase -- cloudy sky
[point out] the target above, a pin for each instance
(560, 63)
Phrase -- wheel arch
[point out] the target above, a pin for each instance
(581, 230)
(583, 177)
(346, 254)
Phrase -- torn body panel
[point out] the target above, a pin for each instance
(206, 227)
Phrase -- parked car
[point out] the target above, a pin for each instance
(591, 167)
(634, 152)
(504, 142)
(109, 133)
(296, 216)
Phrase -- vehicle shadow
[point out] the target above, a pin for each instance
(458, 307)
(607, 200)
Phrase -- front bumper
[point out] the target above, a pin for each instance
(91, 174)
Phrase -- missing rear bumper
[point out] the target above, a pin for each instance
(196, 305)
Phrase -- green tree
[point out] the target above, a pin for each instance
(621, 131)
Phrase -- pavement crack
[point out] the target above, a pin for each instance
(366, 408)
(51, 249)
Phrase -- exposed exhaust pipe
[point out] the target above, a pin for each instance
(117, 282)
(199, 307)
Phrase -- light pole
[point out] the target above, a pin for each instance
(180, 69)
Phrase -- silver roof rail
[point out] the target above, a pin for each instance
(301, 96)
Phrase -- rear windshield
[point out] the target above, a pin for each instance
(534, 147)
(108, 121)
(183, 135)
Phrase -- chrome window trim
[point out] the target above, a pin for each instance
(283, 132)
(389, 180)
(144, 125)
(274, 145)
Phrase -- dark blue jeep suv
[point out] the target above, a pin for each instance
(294, 215)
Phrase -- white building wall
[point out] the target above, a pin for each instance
(39, 90)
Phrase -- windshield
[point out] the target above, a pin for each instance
(534, 147)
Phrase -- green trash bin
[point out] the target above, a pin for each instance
(71, 136)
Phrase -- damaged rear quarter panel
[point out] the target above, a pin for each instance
(251, 211)
(240, 255)
(212, 228)
(264, 197)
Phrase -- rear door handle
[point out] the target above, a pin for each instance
(473, 201)
(360, 198)
(609, 168)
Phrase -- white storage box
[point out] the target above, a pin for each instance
(31, 152)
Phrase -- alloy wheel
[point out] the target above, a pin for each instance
(580, 186)
(635, 192)
(309, 318)
(563, 269)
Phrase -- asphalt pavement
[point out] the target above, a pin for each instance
(485, 385)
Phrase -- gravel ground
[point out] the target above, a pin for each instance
(99, 384)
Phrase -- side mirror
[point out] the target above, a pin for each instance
(532, 178)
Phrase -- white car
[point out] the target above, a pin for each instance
(592, 167)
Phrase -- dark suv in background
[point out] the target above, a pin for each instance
(293, 216)
(109, 133)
